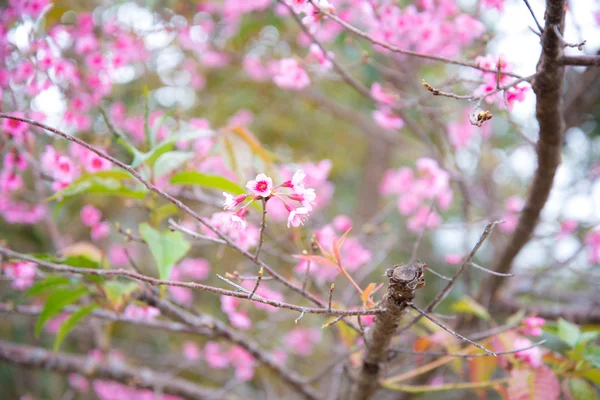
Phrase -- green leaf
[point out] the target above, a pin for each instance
(149, 139)
(70, 323)
(163, 212)
(98, 185)
(592, 354)
(581, 390)
(593, 375)
(167, 145)
(217, 182)
(469, 306)
(47, 284)
(170, 161)
(118, 292)
(167, 248)
(568, 332)
(55, 303)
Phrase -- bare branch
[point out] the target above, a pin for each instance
(541, 30)
(403, 281)
(142, 377)
(465, 355)
(190, 285)
(548, 86)
(587, 61)
(395, 49)
(578, 46)
(457, 335)
(466, 263)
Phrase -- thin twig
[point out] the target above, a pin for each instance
(578, 46)
(174, 225)
(395, 49)
(190, 285)
(446, 278)
(489, 271)
(444, 327)
(258, 278)
(262, 229)
(465, 355)
(466, 263)
(330, 295)
(541, 30)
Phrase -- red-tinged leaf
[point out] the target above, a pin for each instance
(481, 369)
(533, 384)
(323, 250)
(316, 259)
(367, 293)
(337, 246)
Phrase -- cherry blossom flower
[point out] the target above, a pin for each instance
(533, 326)
(453, 259)
(298, 216)
(90, 215)
(145, 313)
(214, 357)
(231, 202)
(380, 96)
(238, 220)
(301, 341)
(386, 119)
(342, 223)
(100, 231)
(289, 75)
(261, 186)
(592, 240)
(191, 351)
(323, 59)
(22, 273)
(532, 356)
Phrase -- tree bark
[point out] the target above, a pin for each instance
(404, 279)
(547, 86)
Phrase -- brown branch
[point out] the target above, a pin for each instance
(141, 377)
(190, 285)
(548, 86)
(176, 202)
(31, 310)
(586, 61)
(578, 314)
(224, 331)
(395, 49)
(466, 263)
(404, 279)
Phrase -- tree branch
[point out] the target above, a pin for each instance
(586, 61)
(548, 86)
(142, 377)
(404, 279)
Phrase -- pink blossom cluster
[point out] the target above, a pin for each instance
(311, 10)
(512, 206)
(532, 356)
(383, 115)
(188, 268)
(316, 177)
(462, 132)
(232, 306)
(92, 217)
(592, 240)
(262, 188)
(533, 326)
(144, 313)
(493, 80)
(236, 357)
(432, 27)
(22, 273)
(301, 341)
(354, 254)
(418, 191)
(11, 185)
(245, 239)
(567, 227)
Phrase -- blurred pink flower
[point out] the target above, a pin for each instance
(90, 215)
(289, 75)
(302, 340)
(533, 326)
(191, 351)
